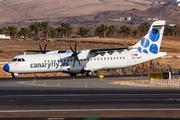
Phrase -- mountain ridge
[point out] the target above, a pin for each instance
(22, 10)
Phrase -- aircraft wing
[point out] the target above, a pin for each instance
(110, 49)
(38, 50)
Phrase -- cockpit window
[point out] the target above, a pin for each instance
(18, 60)
(14, 59)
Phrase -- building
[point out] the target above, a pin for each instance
(159, 3)
(4, 37)
(150, 19)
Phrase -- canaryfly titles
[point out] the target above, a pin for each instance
(45, 65)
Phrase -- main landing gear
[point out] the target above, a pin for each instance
(89, 73)
(72, 75)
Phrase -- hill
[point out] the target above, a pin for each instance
(24, 10)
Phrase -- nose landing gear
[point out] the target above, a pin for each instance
(14, 75)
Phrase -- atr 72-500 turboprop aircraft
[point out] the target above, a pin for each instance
(87, 61)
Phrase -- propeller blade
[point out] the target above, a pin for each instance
(40, 47)
(75, 46)
(79, 61)
(45, 48)
(74, 62)
(71, 49)
(75, 54)
(43, 51)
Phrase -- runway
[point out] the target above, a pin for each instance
(86, 96)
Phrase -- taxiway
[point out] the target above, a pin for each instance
(86, 96)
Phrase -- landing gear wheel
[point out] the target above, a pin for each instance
(14, 75)
(89, 73)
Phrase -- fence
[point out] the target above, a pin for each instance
(165, 82)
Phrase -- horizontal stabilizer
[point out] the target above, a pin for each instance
(159, 25)
(164, 25)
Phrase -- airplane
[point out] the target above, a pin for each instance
(87, 61)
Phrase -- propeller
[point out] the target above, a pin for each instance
(43, 51)
(75, 55)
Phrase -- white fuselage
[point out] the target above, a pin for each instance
(60, 62)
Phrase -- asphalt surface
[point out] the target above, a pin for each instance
(63, 96)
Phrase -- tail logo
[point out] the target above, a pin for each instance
(154, 36)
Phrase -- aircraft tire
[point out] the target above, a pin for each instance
(89, 73)
(13, 76)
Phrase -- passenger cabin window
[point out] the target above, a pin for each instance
(107, 58)
(104, 58)
(123, 57)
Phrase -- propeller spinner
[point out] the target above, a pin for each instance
(75, 55)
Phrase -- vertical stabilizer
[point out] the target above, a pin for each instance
(151, 42)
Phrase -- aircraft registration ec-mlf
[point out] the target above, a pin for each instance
(88, 61)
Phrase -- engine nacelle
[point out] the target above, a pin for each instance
(85, 54)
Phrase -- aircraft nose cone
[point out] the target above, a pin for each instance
(6, 68)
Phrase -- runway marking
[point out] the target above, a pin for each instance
(51, 85)
(110, 100)
(37, 84)
(86, 110)
(64, 95)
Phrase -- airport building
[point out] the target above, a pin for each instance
(4, 37)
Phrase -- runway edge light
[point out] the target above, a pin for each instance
(44, 82)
